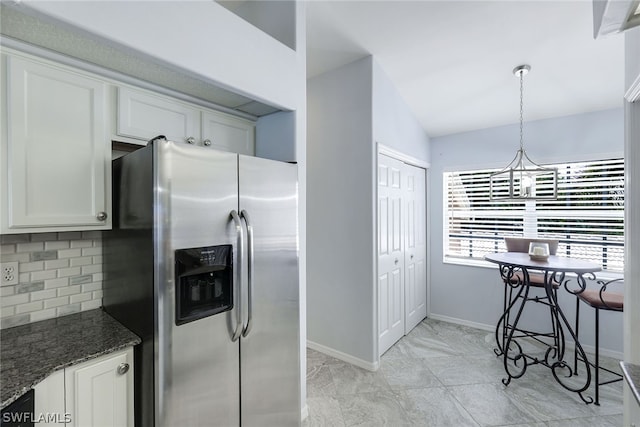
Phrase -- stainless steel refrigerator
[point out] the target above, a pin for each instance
(202, 263)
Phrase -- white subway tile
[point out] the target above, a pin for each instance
(56, 302)
(56, 283)
(30, 247)
(70, 235)
(97, 259)
(91, 234)
(26, 267)
(14, 300)
(66, 272)
(43, 237)
(24, 257)
(90, 269)
(92, 304)
(97, 295)
(68, 290)
(92, 251)
(28, 308)
(41, 275)
(14, 238)
(57, 263)
(17, 320)
(5, 291)
(85, 260)
(43, 315)
(70, 253)
(80, 298)
(24, 277)
(68, 309)
(98, 277)
(92, 287)
(8, 249)
(45, 294)
(82, 243)
(7, 311)
(62, 244)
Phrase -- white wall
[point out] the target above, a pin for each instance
(350, 109)
(394, 124)
(473, 295)
(201, 38)
(339, 216)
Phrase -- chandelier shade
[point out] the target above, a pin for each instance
(523, 178)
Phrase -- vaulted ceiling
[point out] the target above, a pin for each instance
(452, 61)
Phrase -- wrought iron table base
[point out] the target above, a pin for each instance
(515, 359)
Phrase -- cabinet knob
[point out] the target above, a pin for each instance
(101, 216)
(191, 140)
(396, 261)
(207, 142)
(123, 368)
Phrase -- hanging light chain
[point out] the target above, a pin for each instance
(521, 110)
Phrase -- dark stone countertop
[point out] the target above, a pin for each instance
(29, 353)
(631, 373)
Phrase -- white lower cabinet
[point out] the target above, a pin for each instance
(95, 393)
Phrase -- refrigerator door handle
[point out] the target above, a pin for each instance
(245, 215)
(238, 279)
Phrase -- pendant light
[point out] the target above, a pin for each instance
(523, 178)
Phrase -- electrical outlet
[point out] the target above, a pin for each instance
(10, 273)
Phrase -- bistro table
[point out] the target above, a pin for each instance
(514, 270)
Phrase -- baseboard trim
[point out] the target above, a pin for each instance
(369, 366)
(491, 328)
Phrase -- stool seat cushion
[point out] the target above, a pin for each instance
(535, 279)
(612, 300)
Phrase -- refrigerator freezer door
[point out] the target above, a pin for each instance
(269, 353)
(197, 363)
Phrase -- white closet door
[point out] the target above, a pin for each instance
(415, 247)
(390, 253)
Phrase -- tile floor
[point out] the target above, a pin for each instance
(443, 374)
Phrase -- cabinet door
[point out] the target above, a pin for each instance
(56, 161)
(49, 400)
(99, 393)
(144, 116)
(390, 253)
(228, 133)
(415, 246)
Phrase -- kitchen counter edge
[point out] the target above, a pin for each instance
(29, 353)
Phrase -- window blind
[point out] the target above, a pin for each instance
(587, 218)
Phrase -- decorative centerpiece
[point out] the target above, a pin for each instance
(538, 251)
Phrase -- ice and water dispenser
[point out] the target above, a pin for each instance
(204, 282)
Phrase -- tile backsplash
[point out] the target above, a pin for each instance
(59, 274)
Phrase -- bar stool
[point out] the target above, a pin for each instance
(599, 299)
(536, 280)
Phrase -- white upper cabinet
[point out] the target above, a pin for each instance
(55, 161)
(143, 116)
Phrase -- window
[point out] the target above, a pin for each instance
(587, 218)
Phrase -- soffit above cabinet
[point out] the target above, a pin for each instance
(46, 33)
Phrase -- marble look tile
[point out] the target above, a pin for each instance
(490, 404)
(435, 407)
(459, 370)
(350, 379)
(320, 382)
(380, 408)
(424, 347)
(408, 373)
(588, 421)
(323, 411)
